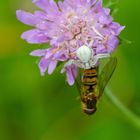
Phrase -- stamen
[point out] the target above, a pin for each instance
(58, 7)
(94, 3)
(97, 32)
(105, 41)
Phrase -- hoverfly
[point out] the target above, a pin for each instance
(93, 85)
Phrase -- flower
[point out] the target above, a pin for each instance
(67, 26)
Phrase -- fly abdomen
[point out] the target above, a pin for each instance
(90, 77)
(89, 80)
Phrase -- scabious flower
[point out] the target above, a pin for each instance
(67, 26)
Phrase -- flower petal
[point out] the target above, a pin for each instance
(71, 73)
(41, 14)
(52, 67)
(41, 3)
(35, 37)
(117, 28)
(27, 18)
(60, 55)
(40, 52)
(70, 77)
(112, 43)
(43, 65)
(47, 5)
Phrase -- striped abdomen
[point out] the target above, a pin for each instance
(89, 96)
(89, 80)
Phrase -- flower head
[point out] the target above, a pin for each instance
(67, 26)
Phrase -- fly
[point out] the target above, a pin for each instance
(93, 85)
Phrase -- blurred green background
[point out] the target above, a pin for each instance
(46, 108)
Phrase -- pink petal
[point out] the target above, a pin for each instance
(70, 77)
(39, 52)
(35, 37)
(40, 14)
(71, 74)
(52, 67)
(27, 18)
(43, 65)
(47, 5)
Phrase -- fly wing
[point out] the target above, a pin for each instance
(78, 81)
(106, 74)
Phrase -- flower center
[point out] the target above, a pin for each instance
(78, 31)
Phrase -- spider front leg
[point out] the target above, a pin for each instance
(75, 62)
(96, 58)
(68, 63)
(79, 64)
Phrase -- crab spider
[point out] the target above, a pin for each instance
(86, 57)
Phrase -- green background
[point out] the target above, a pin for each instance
(46, 108)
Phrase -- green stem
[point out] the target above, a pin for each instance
(133, 118)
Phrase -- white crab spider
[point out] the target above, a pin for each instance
(87, 58)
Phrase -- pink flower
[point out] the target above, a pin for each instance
(67, 26)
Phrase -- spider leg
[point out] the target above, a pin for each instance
(95, 58)
(103, 55)
(79, 64)
(70, 62)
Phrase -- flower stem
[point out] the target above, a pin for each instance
(131, 117)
